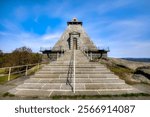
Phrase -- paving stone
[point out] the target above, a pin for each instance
(81, 80)
(66, 87)
(33, 93)
(30, 86)
(47, 80)
(51, 86)
(106, 86)
(62, 93)
(106, 80)
(70, 93)
(32, 80)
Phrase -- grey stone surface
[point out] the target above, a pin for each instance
(33, 93)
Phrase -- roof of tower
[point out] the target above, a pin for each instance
(74, 22)
(74, 19)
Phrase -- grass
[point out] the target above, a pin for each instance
(32, 70)
(122, 71)
(98, 96)
(8, 94)
(2, 71)
(4, 79)
(84, 97)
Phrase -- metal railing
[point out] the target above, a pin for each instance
(85, 48)
(51, 48)
(71, 71)
(74, 72)
(9, 73)
(86, 54)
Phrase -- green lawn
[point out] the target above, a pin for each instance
(4, 79)
(87, 97)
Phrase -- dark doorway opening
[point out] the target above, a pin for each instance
(69, 44)
(75, 44)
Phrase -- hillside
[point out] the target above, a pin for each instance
(134, 73)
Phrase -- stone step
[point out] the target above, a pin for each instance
(52, 72)
(77, 69)
(81, 86)
(95, 92)
(77, 72)
(79, 64)
(45, 76)
(77, 76)
(76, 62)
(78, 86)
(50, 93)
(77, 80)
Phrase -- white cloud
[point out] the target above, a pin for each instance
(34, 41)
(51, 36)
(9, 26)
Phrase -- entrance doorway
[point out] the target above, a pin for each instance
(75, 43)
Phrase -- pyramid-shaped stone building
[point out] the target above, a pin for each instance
(75, 37)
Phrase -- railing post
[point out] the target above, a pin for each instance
(9, 73)
(57, 55)
(74, 69)
(38, 65)
(87, 54)
(91, 56)
(26, 70)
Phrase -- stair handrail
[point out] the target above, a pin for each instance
(70, 70)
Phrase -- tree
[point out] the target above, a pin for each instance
(1, 53)
(20, 56)
(1, 58)
(23, 49)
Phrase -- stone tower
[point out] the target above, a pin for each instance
(74, 37)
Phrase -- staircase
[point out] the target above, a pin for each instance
(91, 78)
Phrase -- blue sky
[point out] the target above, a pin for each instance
(121, 25)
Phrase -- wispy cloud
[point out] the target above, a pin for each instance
(28, 39)
(50, 36)
(125, 37)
